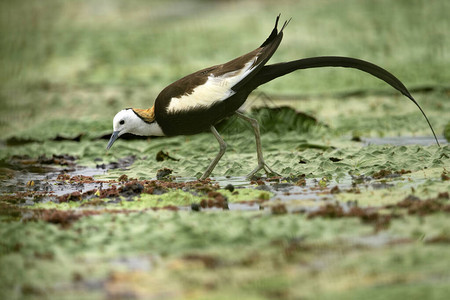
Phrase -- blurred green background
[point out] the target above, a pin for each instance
(85, 60)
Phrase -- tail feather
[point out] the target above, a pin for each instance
(274, 32)
(270, 72)
(267, 49)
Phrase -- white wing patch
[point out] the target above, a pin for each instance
(213, 90)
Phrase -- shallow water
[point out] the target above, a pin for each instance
(45, 180)
(42, 180)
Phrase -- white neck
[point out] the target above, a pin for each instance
(146, 129)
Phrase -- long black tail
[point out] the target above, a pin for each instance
(270, 72)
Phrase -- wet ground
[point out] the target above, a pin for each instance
(103, 233)
(29, 181)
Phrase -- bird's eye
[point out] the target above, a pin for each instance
(122, 122)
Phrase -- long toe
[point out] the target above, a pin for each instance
(256, 170)
(269, 171)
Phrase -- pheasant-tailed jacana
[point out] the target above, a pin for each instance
(197, 102)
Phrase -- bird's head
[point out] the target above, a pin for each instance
(124, 122)
(134, 121)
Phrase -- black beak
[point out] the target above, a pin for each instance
(114, 137)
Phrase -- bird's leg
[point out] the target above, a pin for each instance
(261, 163)
(223, 147)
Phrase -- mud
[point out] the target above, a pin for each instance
(48, 180)
(215, 199)
(389, 174)
(416, 206)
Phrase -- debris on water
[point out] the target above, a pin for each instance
(55, 216)
(64, 218)
(63, 177)
(440, 239)
(39, 165)
(111, 192)
(208, 261)
(382, 173)
(85, 191)
(284, 186)
(264, 188)
(274, 179)
(403, 171)
(195, 207)
(163, 173)
(381, 185)
(360, 179)
(279, 209)
(63, 160)
(131, 188)
(258, 182)
(10, 211)
(420, 207)
(75, 196)
(335, 190)
(371, 216)
(366, 215)
(122, 178)
(162, 156)
(407, 201)
(328, 211)
(21, 197)
(444, 176)
(229, 187)
(389, 174)
(443, 195)
(301, 182)
(81, 179)
(215, 199)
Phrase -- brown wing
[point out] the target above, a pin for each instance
(233, 74)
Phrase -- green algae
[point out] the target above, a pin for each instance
(286, 160)
(324, 255)
(172, 198)
(60, 89)
(284, 150)
(423, 184)
(312, 256)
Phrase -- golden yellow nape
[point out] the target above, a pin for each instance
(148, 115)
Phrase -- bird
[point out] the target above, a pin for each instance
(197, 102)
